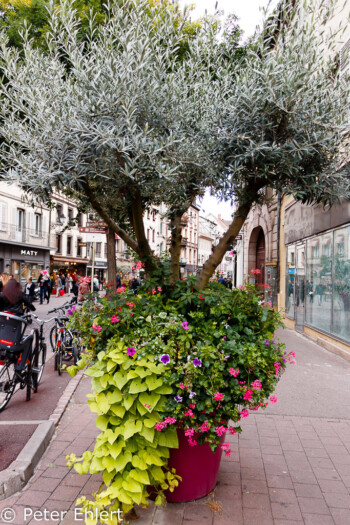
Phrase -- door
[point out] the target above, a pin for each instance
(300, 287)
(260, 259)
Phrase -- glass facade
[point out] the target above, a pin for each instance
(318, 282)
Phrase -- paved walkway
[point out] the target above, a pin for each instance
(290, 466)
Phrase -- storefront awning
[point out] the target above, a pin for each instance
(71, 260)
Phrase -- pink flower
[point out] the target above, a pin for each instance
(131, 351)
(244, 414)
(185, 325)
(205, 427)
(293, 361)
(232, 431)
(159, 288)
(273, 399)
(218, 396)
(220, 430)
(115, 319)
(96, 328)
(256, 271)
(170, 420)
(226, 448)
(182, 386)
(248, 395)
(256, 385)
(234, 372)
(159, 426)
(241, 287)
(189, 413)
(193, 442)
(121, 289)
(130, 305)
(189, 432)
(154, 291)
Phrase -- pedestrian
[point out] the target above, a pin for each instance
(58, 284)
(44, 284)
(222, 280)
(119, 281)
(69, 282)
(29, 288)
(63, 280)
(13, 299)
(135, 283)
(4, 279)
(96, 284)
(84, 288)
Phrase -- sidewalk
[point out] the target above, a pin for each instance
(290, 465)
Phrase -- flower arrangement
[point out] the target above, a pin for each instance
(167, 359)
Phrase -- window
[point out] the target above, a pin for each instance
(70, 214)
(80, 219)
(148, 234)
(37, 223)
(105, 249)
(59, 208)
(3, 216)
(58, 243)
(69, 245)
(161, 228)
(153, 235)
(290, 281)
(20, 220)
(98, 249)
(88, 247)
(161, 248)
(79, 250)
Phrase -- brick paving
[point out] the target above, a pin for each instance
(283, 470)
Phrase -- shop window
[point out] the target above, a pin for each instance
(318, 285)
(58, 243)
(98, 249)
(69, 245)
(37, 224)
(341, 285)
(290, 281)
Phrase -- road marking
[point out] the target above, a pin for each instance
(34, 422)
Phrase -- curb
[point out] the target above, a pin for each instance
(17, 475)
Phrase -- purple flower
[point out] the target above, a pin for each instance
(227, 357)
(70, 312)
(267, 342)
(178, 399)
(197, 362)
(192, 394)
(165, 359)
(185, 325)
(131, 351)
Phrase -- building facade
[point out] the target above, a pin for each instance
(25, 240)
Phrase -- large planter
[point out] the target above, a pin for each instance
(198, 466)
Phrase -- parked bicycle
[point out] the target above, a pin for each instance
(65, 342)
(19, 358)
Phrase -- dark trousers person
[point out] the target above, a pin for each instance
(44, 294)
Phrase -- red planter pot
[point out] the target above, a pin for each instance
(198, 466)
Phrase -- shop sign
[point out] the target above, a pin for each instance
(96, 224)
(92, 229)
(29, 252)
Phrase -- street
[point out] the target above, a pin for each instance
(26, 415)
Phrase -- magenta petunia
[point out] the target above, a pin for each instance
(131, 351)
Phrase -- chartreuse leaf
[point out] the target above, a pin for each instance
(102, 403)
(153, 382)
(137, 386)
(149, 399)
(131, 427)
(148, 434)
(168, 438)
(138, 463)
(121, 461)
(131, 485)
(102, 422)
(116, 449)
(164, 389)
(118, 410)
(120, 380)
(140, 475)
(116, 396)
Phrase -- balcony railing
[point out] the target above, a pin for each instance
(11, 232)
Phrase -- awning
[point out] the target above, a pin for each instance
(62, 259)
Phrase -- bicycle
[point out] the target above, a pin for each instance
(41, 343)
(53, 332)
(17, 358)
(68, 344)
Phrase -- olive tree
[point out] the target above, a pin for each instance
(121, 121)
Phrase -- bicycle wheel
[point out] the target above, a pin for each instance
(29, 379)
(76, 353)
(41, 360)
(58, 360)
(7, 383)
(53, 337)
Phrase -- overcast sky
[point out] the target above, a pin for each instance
(250, 15)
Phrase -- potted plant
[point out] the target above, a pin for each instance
(186, 373)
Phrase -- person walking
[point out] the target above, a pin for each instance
(58, 284)
(44, 283)
(69, 282)
(96, 284)
(29, 288)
